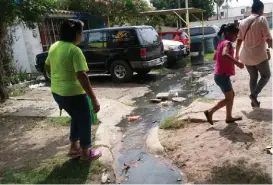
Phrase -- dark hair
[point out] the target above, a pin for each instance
(231, 28)
(257, 6)
(69, 29)
(220, 33)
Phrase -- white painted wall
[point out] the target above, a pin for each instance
(27, 44)
(236, 11)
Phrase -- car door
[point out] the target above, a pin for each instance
(96, 52)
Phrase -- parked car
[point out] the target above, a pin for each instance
(176, 35)
(175, 51)
(196, 33)
(118, 51)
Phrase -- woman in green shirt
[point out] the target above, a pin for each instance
(71, 87)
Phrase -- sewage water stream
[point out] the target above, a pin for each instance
(146, 168)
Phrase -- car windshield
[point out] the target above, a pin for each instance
(148, 36)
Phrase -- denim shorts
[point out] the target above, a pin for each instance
(223, 82)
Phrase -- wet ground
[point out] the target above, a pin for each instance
(145, 168)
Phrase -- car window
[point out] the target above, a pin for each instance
(148, 36)
(168, 36)
(209, 30)
(82, 43)
(96, 40)
(122, 38)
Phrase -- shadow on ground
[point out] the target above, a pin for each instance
(234, 133)
(239, 173)
(259, 114)
(23, 143)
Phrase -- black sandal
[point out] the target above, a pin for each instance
(207, 116)
(254, 100)
(253, 106)
(234, 120)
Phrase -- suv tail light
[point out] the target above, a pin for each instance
(143, 52)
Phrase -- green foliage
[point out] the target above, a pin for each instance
(207, 5)
(27, 11)
(120, 12)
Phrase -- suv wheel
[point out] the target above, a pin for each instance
(121, 71)
(143, 72)
(47, 76)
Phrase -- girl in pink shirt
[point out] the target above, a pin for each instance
(224, 68)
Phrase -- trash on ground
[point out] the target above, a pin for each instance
(178, 99)
(179, 179)
(104, 177)
(154, 121)
(163, 96)
(165, 104)
(155, 100)
(133, 118)
(35, 86)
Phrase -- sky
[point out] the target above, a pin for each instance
(245, 2)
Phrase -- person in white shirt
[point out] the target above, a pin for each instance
(255, 33)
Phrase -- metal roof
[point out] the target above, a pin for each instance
(171, 11)
(72, 14)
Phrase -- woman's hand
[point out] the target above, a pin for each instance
(240, 65)
(96, 106)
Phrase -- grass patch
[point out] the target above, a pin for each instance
(161, 70)
(172, 123)
(130, 104)
(239, 173)
(209, 56)
(204, 100)
(57, 170)
(18, 92)
(59, 121)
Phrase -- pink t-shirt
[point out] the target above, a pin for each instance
(254, 48)
(224, 66)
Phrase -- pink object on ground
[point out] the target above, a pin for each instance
(133, 118)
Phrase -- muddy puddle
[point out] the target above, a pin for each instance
(133, 164)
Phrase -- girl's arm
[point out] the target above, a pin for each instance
(226, 54)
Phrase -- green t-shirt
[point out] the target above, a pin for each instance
(65, 59)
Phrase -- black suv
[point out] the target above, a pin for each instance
(119, 51)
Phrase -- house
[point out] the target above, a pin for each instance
(30, 42)
(229, 12)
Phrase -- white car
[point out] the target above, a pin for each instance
(175, 51)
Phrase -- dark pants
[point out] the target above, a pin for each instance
(264, 70)
(78, 108)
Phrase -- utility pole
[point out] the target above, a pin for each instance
(180, 22)
(187, 16)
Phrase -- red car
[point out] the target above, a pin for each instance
(177, 36)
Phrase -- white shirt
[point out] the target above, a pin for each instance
(254, 48)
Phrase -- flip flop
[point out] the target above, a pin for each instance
(207, 116)
(254, 100)
(93, 155)
(234, 120)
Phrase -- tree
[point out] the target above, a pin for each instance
(218, 3)
(12, 12)
(207, 5)
(119, 11)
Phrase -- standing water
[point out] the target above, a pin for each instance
(133, 165)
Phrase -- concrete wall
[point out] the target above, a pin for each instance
(27, 44)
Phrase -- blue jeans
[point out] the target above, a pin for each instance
(78, 108)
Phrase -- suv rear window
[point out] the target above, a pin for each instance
(168, 36)
(122, 38)
(148, 36)
(198, 31)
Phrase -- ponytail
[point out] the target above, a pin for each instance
(222, 29)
